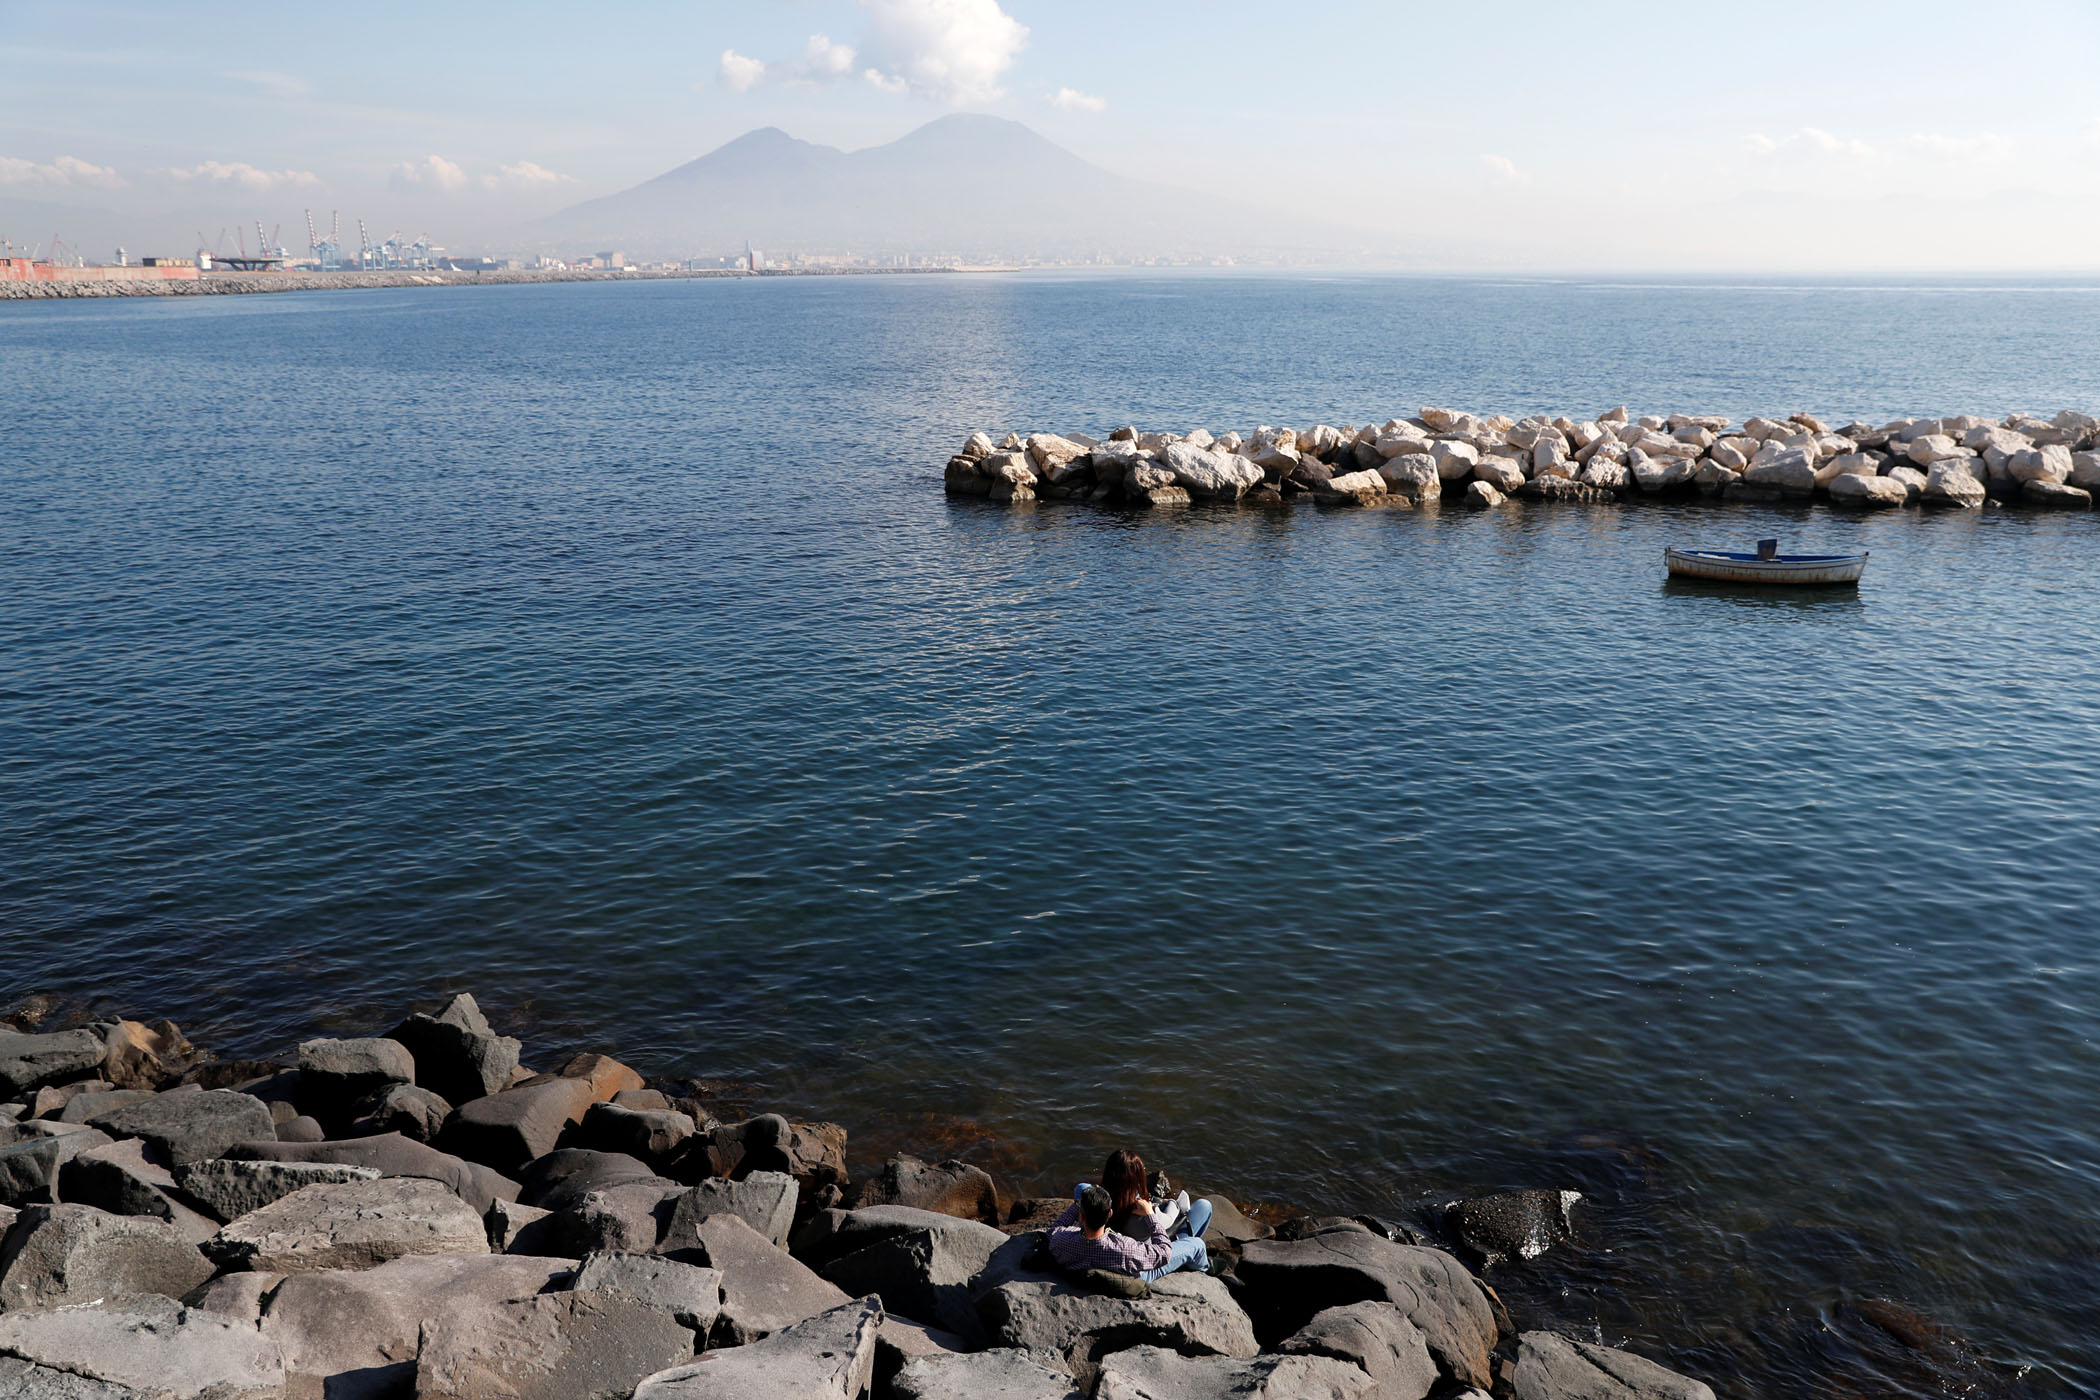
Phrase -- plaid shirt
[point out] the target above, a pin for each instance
(1117, 1253)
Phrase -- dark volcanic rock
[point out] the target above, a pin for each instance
(456, 1055)
(948, 1188)
(652, 1134)
(812, 1153)
(1378, 1339)
(923, 1274)
(1287, 1282)
(118, 1178)
(507, 1130)
(231, 1188)
(29, 1062)
(560, 1179)
(416, 1113)
(764, 1200)
(764, 1289)
(29, 1168)
(61, 1254)
(190, 1125)
(1515, 1225)
(391, 1154)
(335, 1075)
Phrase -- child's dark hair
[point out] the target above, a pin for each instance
(1095, 1206)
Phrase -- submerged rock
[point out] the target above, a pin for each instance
(1514, 1225)
(1552, 1367)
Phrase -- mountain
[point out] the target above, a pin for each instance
(975, 186)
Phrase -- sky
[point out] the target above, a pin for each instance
(1530, 134)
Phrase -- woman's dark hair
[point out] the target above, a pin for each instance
(1095, 1206)
(1123, 1176)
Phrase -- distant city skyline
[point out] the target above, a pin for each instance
(1515, 135)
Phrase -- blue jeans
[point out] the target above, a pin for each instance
(1188, 1250)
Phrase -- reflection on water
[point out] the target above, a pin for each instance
(611, 651)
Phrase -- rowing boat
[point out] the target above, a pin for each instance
(1768, 565)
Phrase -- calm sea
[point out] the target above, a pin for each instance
(611, 651)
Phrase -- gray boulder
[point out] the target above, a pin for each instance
(764, 1288)
(28, 1062)
(507, 1130)
(516, 1228)
(947, 1188)
(2054, 495)
(1516, 1224)
(29, 1169)
(630, 1216)
(335, 1074)
(985, 1375)
(560, 1179)
(923, 1274)
(456, 1055)
(301, 1128)
(833, 1234)
(763, 1200)
(351, 1225)
(654, 1134)
(391, 1154)
(1377, 1339)
(91, 1103)
(136, 1349)
(238, 1296)
(812, 1153)
(354, 1335)
(1288, 1281)
(692, 1295)
(1552, 1367)
(57, 1255)
(183, 1126)
(557, 1346)
(416, 1113)
(1186, 1312)
(118, 1178)
(827, 1357)
(230, 1188)
(1155, 1373)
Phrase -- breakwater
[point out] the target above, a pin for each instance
(246, 283)
(414, 1210)
(1957, 462)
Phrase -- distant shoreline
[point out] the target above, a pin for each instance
(243, 283)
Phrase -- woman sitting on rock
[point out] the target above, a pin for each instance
(1116, 1227)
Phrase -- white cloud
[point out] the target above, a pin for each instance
(245, 175)
(1505, 170)
(66, 170)
(2091, 135)
(1808, 138)
(741, 74)
(824, 59)
(525, 175)
(433, 171)
(1073, 100)
(1984, 143)
(952, 51)
(281, 85)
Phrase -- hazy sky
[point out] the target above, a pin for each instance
(1839, 134)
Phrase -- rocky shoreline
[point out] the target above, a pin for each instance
(1962, 462)
(414, 1212)
(243, 283)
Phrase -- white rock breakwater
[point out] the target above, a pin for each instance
(1960, 462)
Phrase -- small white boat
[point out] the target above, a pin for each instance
(1768, 565)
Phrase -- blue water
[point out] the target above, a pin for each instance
(611, 651)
